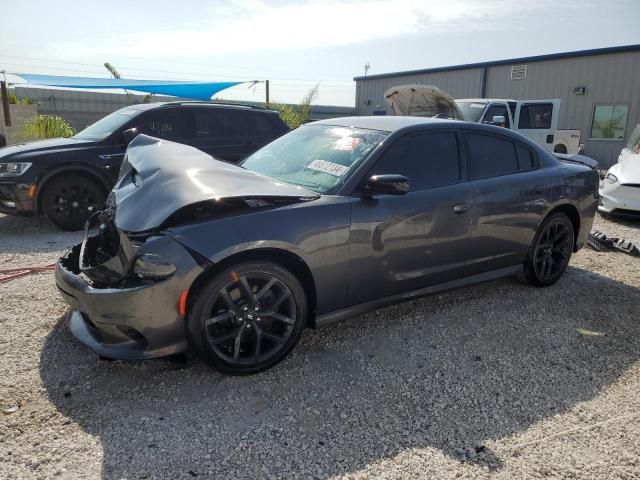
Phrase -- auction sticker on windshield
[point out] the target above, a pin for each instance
(331, 168)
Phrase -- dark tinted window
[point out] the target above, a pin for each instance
(207, 123)
(496, 110)
(224, 123)
(238, 123)
(261, 125)
(162, 123)
(490, 156)
(428, 160)
(525, 158)
(535, 115)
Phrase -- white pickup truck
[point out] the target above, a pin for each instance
(536, 119)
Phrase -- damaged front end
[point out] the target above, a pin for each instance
(128, 280)
(124, 291)
(107, 256)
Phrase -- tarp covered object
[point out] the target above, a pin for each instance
(421, 101)
(195, 90)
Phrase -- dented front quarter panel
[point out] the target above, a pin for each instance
(316, 231)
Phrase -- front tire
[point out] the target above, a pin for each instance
(550, 252)
(68, 200)
(247, 318)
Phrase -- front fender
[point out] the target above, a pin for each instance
(316, 232)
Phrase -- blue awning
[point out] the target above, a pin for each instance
(194, 90)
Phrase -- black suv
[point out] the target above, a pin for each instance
(68, 178)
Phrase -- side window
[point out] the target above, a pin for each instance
(263, 126)
(490, 156)
(525, 158)
(497, 110)
(427, 159)
(162, 123)
(535, 116)
(236, 123)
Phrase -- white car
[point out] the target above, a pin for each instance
(620, 188)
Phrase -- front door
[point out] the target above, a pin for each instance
(406, 242)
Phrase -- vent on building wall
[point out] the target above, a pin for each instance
(518, 72)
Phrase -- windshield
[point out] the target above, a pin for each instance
(471, 111)
(316, 157)
(107, 125)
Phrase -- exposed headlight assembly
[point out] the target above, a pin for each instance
(153, 267)
(610, 178)
(13, 169)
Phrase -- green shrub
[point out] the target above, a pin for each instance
(45, 126)
(15, 100)
(294, 116)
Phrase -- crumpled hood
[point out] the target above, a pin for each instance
(421, 101)
(51, 144)
(159, 177)
(627, 171)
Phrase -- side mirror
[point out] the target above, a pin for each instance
(498, 120)
(129, 135)
(390, 184)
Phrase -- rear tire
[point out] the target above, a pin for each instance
(247, 318)
(550, 252)
(69, 199)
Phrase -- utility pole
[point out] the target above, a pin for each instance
(266, 103)
(5, 103)
(367, 66)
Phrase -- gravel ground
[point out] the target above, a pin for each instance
(500, 380)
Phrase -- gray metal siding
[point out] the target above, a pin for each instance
(462, 83)
(611, 78)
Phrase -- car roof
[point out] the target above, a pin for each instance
(393, 124)
(384, 123)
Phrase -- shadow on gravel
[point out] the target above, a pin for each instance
(448, 374)
(25, 235)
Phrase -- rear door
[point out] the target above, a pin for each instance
(538, 120)
(401, 243)
(510, 197)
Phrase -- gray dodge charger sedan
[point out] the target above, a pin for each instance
(326, 222)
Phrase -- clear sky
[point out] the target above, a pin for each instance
(296, 44)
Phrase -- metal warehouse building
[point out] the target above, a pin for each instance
(603, 84)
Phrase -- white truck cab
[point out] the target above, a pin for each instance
(536, 119)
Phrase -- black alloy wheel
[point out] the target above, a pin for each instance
(551, 251)
(69, 200)
(248, 318)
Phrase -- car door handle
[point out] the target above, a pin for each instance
(538, 189)
(461, 208)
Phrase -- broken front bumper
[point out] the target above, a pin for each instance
(136, 321)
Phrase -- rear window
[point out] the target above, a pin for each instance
(490, 156)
